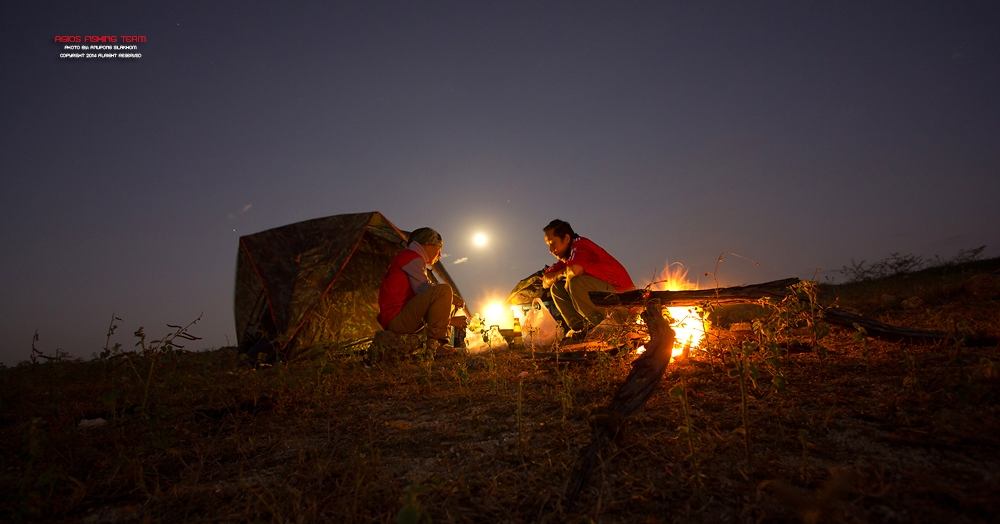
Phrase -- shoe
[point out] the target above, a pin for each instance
(615, 333)
(440, 347)
(576, 335)
(390, 346)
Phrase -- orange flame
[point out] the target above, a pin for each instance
(689, 323)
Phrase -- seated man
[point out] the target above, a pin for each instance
(408, 300)
(585, 267)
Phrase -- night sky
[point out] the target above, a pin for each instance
(788, 137)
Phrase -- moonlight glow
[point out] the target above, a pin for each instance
(480, 239)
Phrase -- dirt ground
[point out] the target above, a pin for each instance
(831, 428)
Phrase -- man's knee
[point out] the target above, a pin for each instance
(577, 286)
(437, 291)
(560, 289)
(584, 284)
(441, 290)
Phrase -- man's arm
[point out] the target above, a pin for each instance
(579, 259)
(552, 273)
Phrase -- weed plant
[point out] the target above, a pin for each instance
(747, 430)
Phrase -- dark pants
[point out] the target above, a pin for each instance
(572, 299)
(431, 307)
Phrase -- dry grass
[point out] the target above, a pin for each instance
(870, 432)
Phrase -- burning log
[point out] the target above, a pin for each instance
(778, 289)
(647, 373)
(693, 297)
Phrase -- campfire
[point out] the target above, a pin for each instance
(688, 322)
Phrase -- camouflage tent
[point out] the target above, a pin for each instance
(313, 285)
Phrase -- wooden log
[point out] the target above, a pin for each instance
(881, 330)
(778, 289)
(722, 295)
(645, 376)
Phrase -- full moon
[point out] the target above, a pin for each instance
(480, 239)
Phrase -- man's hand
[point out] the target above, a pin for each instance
(457, 301)
(548, 279)
(574, 271)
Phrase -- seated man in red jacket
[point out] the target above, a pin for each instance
(582, 267)
(408, 300)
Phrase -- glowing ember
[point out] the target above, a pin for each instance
(687, 321)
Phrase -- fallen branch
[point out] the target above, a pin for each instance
(881, 330)
(647, 372)
(778, 289)
(693, 297)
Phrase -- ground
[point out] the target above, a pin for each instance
(825, 428)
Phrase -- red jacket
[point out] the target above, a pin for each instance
(595, 262)
(396, 290)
